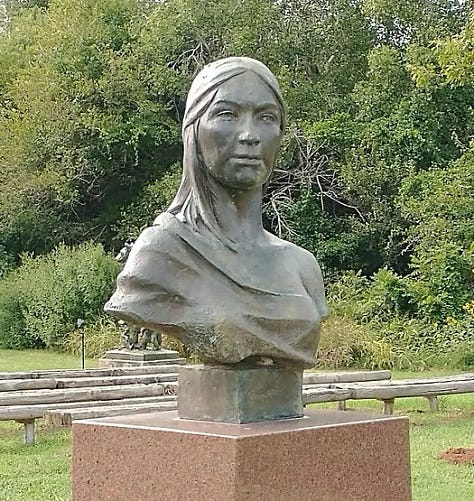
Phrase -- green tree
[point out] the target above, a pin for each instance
(74, 144)
(93, 94)
(440, 207)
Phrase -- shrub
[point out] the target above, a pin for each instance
(13, 332)
(346, 344)
(41, 300)
(443, 280)
(404, 322)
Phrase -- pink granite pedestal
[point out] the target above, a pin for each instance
(326, 455)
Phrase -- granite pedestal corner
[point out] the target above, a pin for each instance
(324, 456)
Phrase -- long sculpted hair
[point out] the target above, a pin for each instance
(195, 199)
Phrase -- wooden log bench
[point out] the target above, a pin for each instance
(26, 396)
(317, 387)
(312, 393)
(86, 382)
(63, 396)
(388, 391)
(80, 373)
(25, 406)
(318, 378)
(65, 416)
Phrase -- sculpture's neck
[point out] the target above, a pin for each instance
(240, 215)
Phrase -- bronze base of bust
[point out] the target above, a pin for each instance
(236, 394)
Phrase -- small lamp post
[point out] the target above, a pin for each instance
(80, 325)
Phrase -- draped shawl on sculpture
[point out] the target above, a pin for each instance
(181, 283)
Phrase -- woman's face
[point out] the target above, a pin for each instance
(240, 132)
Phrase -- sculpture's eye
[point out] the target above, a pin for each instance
(226, 115)
(268, 117)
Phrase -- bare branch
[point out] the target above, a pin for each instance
(311, 171)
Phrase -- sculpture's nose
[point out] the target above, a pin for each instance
(247, 138)
(249, 133)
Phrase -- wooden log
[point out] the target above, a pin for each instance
(444, 379)
(27, 412)
(66, 417)
(317, 395)
(69, 373)
(116, 380)
(388, 405)
(467, 376)
(76, 382)
(449, 380)
(395, 390)
(344, 376)
(28, 397)
(433, 403)
(27, 384)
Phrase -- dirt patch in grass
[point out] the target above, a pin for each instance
(459, 455)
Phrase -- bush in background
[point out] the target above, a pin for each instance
(13, 331)
(345, 344)
(393, 319)
(42, 299)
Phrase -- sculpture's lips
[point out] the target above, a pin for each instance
(247, 157)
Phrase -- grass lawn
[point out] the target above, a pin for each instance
(29, 360)
(34, 473)
(41, 472)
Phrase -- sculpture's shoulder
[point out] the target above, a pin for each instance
(156, 236)
(308, 269)
(301, 257)
(155, 241)
(153, 235)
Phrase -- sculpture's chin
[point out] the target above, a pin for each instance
(243, 183)
(242, 177)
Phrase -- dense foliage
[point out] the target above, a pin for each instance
(41, 300)
(376, 176)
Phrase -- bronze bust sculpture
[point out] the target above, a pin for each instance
(207, 272)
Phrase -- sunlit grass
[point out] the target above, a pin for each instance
(29, 360)
(39, 472)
